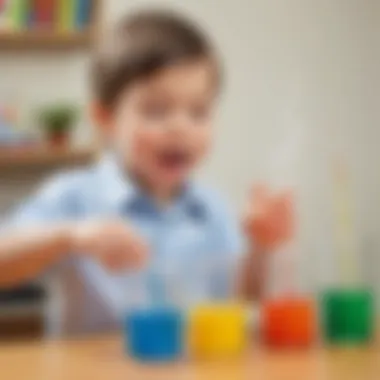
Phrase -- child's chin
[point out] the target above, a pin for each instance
(174, 178)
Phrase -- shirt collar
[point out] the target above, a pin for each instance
(119, 191)
(192, 202)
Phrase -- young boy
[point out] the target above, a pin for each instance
(155, 82)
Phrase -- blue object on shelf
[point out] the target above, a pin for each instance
(82, 13)
(12, 138)
(154, 334)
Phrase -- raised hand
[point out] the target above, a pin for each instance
(269, 218)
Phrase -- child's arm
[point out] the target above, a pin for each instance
(252, 275)
(26, 253)
(269, 222)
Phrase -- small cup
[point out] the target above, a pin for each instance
(154, 334)
(348, 315)
(289, 322)
(217, 331)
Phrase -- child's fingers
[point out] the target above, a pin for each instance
(263, 201)
(270, 217)
(128, 253)
(114, 261)
(289, 195)
(140, 252)
(135, 253)
(282, 204)
(282, 214)
(259, 194)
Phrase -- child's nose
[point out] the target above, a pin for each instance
(178, 124)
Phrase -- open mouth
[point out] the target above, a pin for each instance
(174, 158)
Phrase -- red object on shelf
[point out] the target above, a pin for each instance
(289, 322)
(43, 13)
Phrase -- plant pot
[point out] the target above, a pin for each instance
(58, 138)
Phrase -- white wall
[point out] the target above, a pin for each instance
(302, 82)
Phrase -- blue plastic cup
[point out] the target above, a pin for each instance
(154, 334)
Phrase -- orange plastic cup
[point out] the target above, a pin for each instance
(289, 322)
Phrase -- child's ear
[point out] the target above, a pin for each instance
(100, 115)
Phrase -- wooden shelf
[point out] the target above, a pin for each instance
(54, 40)
(40, 158)
(46, 40)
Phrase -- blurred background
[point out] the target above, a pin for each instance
(301, 95)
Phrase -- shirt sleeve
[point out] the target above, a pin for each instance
(51, 203)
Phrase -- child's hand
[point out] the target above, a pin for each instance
(113, 243)
(269, 220)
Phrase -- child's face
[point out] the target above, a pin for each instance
(161, 126)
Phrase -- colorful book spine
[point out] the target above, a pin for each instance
(3, 15)
(82, 13)
(17, 14)
(43, 13)
(62, 15)
(65, 15)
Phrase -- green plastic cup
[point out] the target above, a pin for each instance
(348, 315)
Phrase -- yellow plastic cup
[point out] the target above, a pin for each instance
(217, 330)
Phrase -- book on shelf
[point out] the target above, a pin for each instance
(65, 15)
(51, 15)
(82, 13)
(42, 14)
(3, 15)
(17, 14)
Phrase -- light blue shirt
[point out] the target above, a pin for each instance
(194, 244)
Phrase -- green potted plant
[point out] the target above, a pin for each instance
(57, 122)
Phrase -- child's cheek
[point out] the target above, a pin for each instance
(145, 143)
(203, 143)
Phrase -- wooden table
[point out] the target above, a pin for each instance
(102, 358)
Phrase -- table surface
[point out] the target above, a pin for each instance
(102, 358)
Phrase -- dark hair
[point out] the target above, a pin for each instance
(142, 44)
